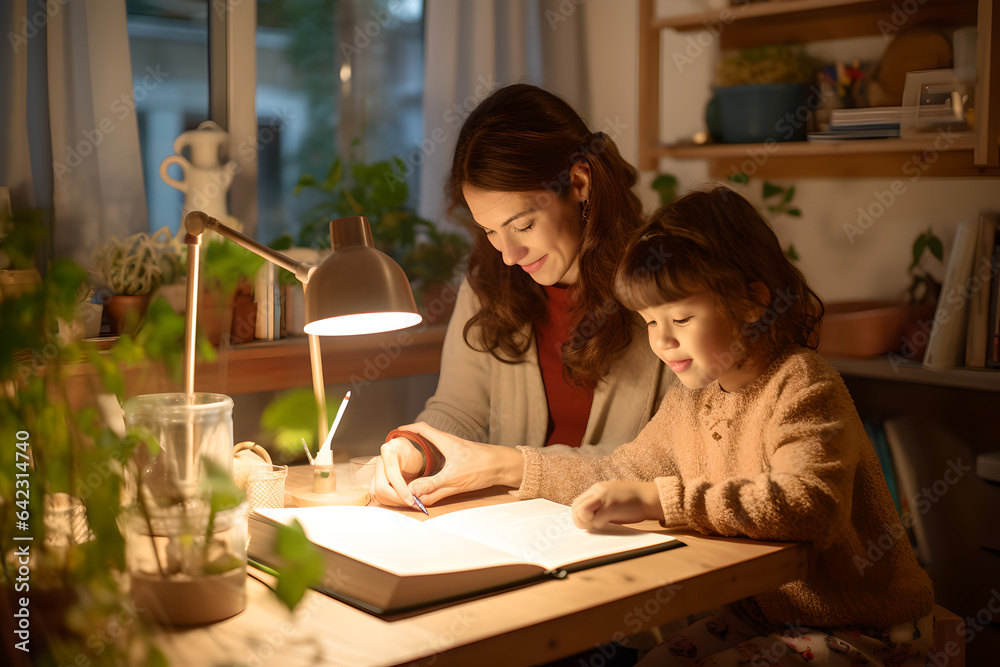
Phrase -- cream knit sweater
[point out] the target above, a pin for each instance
(785, 458)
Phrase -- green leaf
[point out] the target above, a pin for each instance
(666, 186)
(302, 564)
(794, 212)
(770, 189)
(219, 481)
(333, 176)
(789, 193)
(305, 181)
(918, 249)
(791, 253)
(739, 178)
(292, 416)
(935, 246)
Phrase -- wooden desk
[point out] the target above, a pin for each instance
(526, 626)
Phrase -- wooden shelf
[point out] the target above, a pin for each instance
(284, 364)
(883, 368)
(905, 158)
(752, 24)
(755, 24)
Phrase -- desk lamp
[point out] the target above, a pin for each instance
(355, 290)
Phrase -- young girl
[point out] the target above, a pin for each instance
(759, 438)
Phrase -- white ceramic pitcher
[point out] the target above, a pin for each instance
(206, 178)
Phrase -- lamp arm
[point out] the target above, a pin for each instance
(196, 222)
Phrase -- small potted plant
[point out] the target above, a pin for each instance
(763, 94)
(132, 269)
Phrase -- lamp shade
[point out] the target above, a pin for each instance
(357, 289)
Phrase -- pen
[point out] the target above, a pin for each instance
(421, 506)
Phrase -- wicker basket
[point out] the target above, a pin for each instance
(253, 471)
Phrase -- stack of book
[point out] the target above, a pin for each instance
(966, 329)
(870, 123)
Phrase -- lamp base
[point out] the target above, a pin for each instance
(309, 498)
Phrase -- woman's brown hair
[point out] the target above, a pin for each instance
(717, 241)
(524, 139)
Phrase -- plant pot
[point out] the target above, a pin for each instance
(14, 282)
(126, 312)
(86, 323)
(759, 112)
(235, 316)
(861, 329)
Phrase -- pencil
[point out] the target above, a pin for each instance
(420, 505)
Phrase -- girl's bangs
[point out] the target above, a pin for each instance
(650, 275)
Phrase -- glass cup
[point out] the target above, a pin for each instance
(362, 472)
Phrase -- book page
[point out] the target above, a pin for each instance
(541, 531)
(391, 541)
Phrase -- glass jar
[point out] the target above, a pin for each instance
(185, 530)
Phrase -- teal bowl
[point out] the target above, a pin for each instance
(760, 112)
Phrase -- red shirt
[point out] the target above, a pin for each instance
(569, 405)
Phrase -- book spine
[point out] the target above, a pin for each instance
(993, 335)
(976, 340)
(946, 344)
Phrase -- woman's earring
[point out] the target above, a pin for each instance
(585, 214)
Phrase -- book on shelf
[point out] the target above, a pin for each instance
(993, 320)
(386, 562)
(982, 284)
(850, 134)
(868, 116)
(946, 343)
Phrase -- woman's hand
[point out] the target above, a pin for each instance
(617, 502)
(468, 466)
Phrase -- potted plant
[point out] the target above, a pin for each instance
(762, 94)
(64, 488)
(227, 310)
(378, 191)
(60, 489)
(132, 269)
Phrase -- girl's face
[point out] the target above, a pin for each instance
(697, 342)
(536, 231)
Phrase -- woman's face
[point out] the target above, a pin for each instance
(536, 231)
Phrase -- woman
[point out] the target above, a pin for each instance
(539, 351)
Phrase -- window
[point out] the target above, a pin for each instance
(334, 78)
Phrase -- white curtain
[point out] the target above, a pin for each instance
(72, 141)
(474, 46)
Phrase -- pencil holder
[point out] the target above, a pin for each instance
(267, 488)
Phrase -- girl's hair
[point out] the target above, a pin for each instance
(524, 139)
(717, 241)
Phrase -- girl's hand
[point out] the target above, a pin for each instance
(468, 466)
(616, 502)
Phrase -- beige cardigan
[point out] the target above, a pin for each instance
(479, 398)
(784, 458)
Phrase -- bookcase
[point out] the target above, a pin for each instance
(747, 24)
(961, 403)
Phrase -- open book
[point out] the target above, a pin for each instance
(386, 562)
